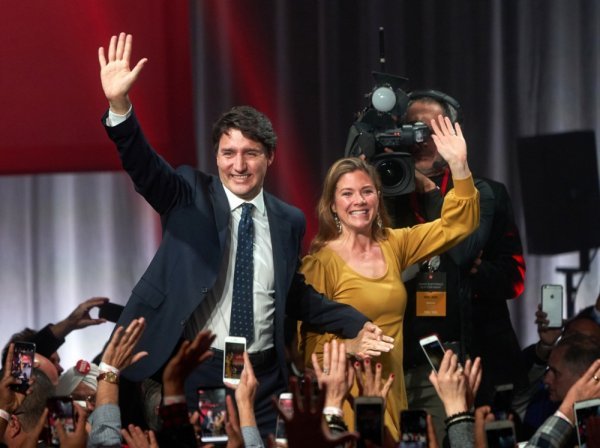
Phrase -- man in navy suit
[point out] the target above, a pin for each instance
(188, 285)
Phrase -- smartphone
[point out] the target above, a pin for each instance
(500, 434)
(285, 401)
(502, 401)
(22, 365)
(433, 349)
(213, 413)
(368, 420)
(110, 311)
(233, 359)
(59, 409)
(587, 413)
(413, 427)
(552, 304)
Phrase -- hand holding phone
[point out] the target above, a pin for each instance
(434, 350)
(552, 305)
(60, 409)
(22, 365)
(233, 359)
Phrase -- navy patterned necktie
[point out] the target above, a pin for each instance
(242, 315)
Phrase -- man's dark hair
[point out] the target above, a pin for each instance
(580, 351)
(34, 403)
(26, 335)
(253, 125)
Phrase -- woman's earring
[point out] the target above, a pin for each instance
(379, 221)
(338, 224)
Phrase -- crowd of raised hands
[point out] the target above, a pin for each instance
(316, 419)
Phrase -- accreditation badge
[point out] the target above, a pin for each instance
(431, 294)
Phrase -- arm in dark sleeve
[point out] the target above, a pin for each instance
(46, 343)
(304, 303)
(465, 252)
(161, 186)
(501, 274)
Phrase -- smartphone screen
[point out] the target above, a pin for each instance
(587, 413)
(413, 427)
(552, 304)
(502, 401)
(285, 401)
(233, 359)
(434, 351)
(22, 365)
(500, 434)
(368, 415)
(59, 409)
(213, 413)
(110, 311)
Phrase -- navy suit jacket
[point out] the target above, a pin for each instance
(195, 219)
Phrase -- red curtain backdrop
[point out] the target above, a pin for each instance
(52, 100)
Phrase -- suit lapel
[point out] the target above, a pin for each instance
(222, 212)
(280, 230)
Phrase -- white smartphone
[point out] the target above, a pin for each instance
(285, 401)
(368, 420)
(552, 304)
(433, 349)
(584, 411)
(233, 359)
(500, 434)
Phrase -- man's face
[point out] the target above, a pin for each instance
(559, 378)
(425, 154)
(242, 164)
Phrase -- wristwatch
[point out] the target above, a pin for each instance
(109, 377)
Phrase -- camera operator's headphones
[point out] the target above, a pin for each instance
(450, 105)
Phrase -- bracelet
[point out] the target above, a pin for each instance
(103, 367)
(332, 410)
(451, 418)
(335, 422)
(4, 415)
(461, 418)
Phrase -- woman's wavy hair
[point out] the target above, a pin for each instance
(327, 228)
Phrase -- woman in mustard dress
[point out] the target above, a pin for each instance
(356, 259)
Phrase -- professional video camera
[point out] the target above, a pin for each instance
(377, 128)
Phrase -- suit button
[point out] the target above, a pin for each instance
(182, 323)
(204, 290)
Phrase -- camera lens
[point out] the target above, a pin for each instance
(397, 173)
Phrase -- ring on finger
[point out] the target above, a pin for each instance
(596, 379)
(326, 370)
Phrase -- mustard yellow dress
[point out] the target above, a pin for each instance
(383, 299)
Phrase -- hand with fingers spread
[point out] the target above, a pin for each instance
(245, 393)
(335, 375)
(371, 384)
(451, 384)
(307, 414)
(188, 357)
(116, 74)
(451, 145)
(119, 351)
(138, 438)
(370, 342)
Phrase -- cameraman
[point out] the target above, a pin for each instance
(478, 275)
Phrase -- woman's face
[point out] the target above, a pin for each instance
(356, 202)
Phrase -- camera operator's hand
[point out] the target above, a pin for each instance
(423, 184)
(451, 145)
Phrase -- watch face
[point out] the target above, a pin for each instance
(110, 377)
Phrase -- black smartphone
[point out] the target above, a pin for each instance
(110, 311)
(413, 427)
(587, 414)
(22, 364)
(368, 420)
(433, 349)
(500, 434)
(60, 409)
(502, 401)
(213, 413)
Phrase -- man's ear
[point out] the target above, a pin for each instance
(14, 428)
